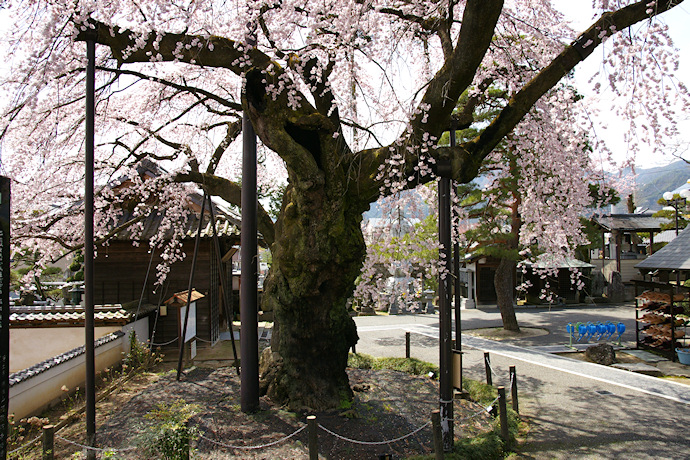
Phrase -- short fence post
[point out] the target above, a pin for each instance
(438, 435)
(513, 388)
(48, 442)
(503, 413)
(407, 345)
(313, 437)
(487, 365)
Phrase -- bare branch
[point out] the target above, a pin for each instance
(186, 88)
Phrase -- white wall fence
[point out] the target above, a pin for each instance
(36, 388)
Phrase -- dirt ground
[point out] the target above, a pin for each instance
(387, 405)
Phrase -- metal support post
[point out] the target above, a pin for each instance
(183, 331)
(407, 345)
(438, 434)
(313, 434)
(249, 317)
(48, 442)
(90, 384)
(223, 288)
(503, 413)
(446, 325)
(456, 278)
(4, 312)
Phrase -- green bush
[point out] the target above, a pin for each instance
(410, 365)
(139, 356)
(479, 392)
(170, 435)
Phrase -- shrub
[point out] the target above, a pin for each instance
(170, 435)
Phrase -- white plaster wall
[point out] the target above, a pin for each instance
(29, 346)
(33, 395)
(140, 328)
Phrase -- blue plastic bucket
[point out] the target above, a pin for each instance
(683, 355)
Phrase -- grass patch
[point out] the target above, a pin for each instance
(412, 366)
(488, 445)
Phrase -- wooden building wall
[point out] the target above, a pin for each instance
(120, 272)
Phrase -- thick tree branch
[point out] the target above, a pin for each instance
(520, 104)
(208, 51)
(444, 90)
(295, 133)
(230, 192)
(438, 102)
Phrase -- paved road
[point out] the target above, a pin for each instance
(576, 409)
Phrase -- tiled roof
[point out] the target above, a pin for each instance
(51, 315)
(674, 256)
(20, 376)
(631, 222)
(228, 222)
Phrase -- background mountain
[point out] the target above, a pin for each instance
(653, 182)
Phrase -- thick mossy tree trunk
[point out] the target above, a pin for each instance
(316, 257)
(504, 284)
(317, 253)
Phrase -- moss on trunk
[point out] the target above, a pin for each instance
(317, 255)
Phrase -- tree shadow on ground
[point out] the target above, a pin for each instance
(387, 405)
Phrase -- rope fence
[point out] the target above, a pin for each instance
(164, 344)
(50, 432)
(203, 437)
(263, 446)
(373, 443)
(94, 449)
(23, 446)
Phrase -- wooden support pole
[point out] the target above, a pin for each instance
(444, 306)
(407, 345)
(249, 322)
(48, 442)
(90, 383)
(513, 389)
(313, 437)
(487, 366)
(438, 434)
(503, 413)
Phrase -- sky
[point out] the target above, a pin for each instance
(581, 15)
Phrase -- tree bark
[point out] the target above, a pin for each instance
(503, 282)
(317, 255)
